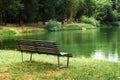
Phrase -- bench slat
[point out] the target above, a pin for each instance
(25, 42)
(47, 50)
(27, 48)
(45, 44)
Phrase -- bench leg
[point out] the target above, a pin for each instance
(22, 56)
(59, 62)
(30, 57)
(67, 61)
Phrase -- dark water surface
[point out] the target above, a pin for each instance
(95, 43)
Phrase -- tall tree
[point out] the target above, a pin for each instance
(47, 9)
(74, 6)
(102, 9)
(62, 10)
(118, 5)
(9, 8)
(30, 10)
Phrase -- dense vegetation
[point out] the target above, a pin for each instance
(27, 11)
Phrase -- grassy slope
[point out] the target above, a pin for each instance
(43, 67)
(39, 27)
(79, 26)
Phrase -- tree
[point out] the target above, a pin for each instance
(102, 9)
(30, 10)
(9, 8)
(118, 5)
(62, 10)
(74, 6)
(89, 6)
(47, 9)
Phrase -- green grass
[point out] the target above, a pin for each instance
(43, 67)
(78, 26)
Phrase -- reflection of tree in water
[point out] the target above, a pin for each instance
(109, 41)
(76, 42)
(107, 33)
(7, 44)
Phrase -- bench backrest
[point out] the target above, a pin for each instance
(38, 46)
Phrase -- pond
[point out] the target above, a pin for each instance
(94, 43)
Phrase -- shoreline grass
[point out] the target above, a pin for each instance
(78, 26)
(43, 67)
(39, 27)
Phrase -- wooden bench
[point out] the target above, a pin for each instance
(41, 47)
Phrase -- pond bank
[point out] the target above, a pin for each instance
(78, 26)
(40, 28)
(56, 26)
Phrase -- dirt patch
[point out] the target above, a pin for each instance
(1, 78)
(5, 76)
(2, 70)
(22, 28)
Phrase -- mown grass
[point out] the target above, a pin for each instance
(44, 67)
(78, 26)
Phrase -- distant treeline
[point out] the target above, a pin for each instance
(28, 11)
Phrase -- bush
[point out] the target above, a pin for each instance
(53, 25)
(115, 15)
(7, 33)
(90, 20)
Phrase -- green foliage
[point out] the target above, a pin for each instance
(44, 10)
(90, 20)
(89, 6)
(30, 10)
(53, 25)
(14, 7)
(7, 34)
(103, 10)
(115, 15)
(10, 8)
(74, 6)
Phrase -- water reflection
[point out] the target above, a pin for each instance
(103, 42)
(98, 54)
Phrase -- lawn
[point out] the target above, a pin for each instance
(44, 67)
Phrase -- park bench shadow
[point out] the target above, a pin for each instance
(33, 66)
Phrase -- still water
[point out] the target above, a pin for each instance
(95, 43)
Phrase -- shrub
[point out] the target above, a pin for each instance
(53, 25)
(7, 33)
(90, 20)
(115, 15)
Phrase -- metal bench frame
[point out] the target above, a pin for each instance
(41, 47)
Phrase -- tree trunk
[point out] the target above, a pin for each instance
(4, 20)
(1, 19)
(43, 22)
(62, 21)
